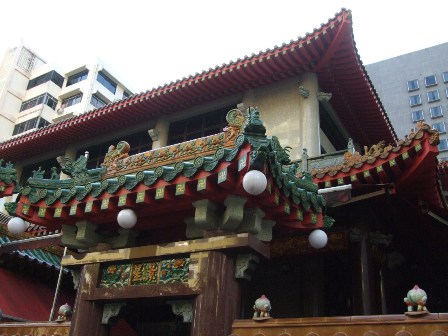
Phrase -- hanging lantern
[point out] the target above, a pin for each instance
(127, 218)
(254, 182)
(318, 239)
(16, 225)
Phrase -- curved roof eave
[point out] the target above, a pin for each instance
(329, 51)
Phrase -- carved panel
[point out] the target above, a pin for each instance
(117, 161)
(145, 273)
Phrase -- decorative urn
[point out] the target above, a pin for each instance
(416, 297)
(262, 307)
(64, 312)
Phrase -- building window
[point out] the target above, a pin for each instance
(440, 127)
(436, 111)
(433, 96)
(443, 145)
(49, 76)
(413, 85)
(45, 98)
(72, 100)
(418, 116)
(37, 122)
(430, 80)
(139, 143)
(125, 95)
(97, 101)
(415, 100)
(27, 60)
(80, 76)
(198, 126)
(445, 76)
(106, 82)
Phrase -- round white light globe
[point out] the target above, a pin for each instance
(318, 239)
(127, 218)
(16, 225)
(254, 182)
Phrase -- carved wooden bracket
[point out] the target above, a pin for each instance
(234, 212)
(183, 308)
(76, 276)
(235, 218)
(245, 265)
(111, 310)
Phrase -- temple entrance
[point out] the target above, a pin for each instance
(149, 317)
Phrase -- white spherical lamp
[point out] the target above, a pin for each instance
(318, 239)
(254, 182)
(16, 225)
(127, 218)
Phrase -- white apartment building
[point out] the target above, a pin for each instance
(34, 94)
(414, 87)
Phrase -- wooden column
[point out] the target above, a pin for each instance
(219, 305)
(363, 275)
(314, 286)
(87, 314)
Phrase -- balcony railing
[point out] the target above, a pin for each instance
(35, 328)
(325, 160)
(375, 325)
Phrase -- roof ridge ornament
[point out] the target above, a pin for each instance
(8, 174)
(254, 126)
(77, 170)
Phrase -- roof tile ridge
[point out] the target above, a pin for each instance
(248, 59)
(347, 14)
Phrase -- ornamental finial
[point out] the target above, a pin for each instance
(254, 125)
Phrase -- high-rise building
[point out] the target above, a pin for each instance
(414, 87)
(34, 94)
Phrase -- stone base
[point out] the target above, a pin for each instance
(262, 318)
(417, 313)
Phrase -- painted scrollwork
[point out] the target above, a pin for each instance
(114, 154)
(118, 161)
(236, 120)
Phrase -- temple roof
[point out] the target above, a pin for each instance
(173, 178)
(409, 169)
(40, 256)
(329, 51)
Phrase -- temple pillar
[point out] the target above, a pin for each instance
(365, 280)
(309, 111)
(87, 315)
(219, 304)
(159, 134)
(314, 286)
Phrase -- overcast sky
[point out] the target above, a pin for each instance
(150, 43)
